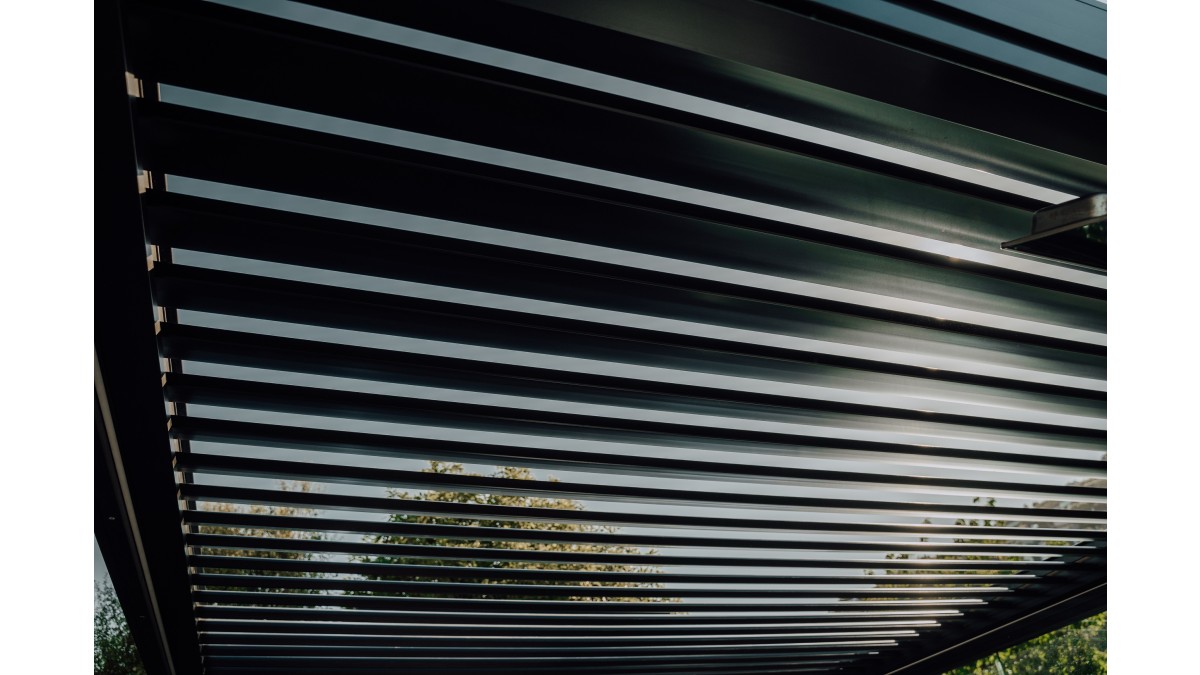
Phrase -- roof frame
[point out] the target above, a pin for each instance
(1046, 134)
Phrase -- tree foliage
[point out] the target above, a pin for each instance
(961, 522)
(512, 473)
(1078, 649)
(262, 510)
(113, 650)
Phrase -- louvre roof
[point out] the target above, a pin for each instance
(720, 283)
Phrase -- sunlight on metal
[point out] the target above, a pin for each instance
(473, 357)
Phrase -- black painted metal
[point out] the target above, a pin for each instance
(533, 515)
(438, 604)
(114, 536)
(395, 446)
(212, 562)
(818, 662)
(794, 637)
(324, 305)
(986, 40)
(244, 466)
(1073, 231)
(218, 631)
(138, 522)
(321, 358)
(964, 646)
(342, 621)
(687, 244)
(773, 40)
(405, 590)
(244, 543)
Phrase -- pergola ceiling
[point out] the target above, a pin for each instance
(720, 282)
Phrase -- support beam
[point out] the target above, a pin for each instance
(970, 644)
(135, 482)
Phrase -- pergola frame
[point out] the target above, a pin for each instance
(1037, 119)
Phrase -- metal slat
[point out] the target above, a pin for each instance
(583, 594)
(637, 423)
(994, 534)
(853, 62)
(963, 37)
(183, 140)
(557, 606)
(1021, 314)
(749, 640)
(828, 279)
(1082, 41)
(298, 54)
(731, 296)
(277, 436)
(352, 619)
(556, 661)
(244, 631)
(693, 70)
(502, 591)
(310, 569)
(187, 287)
(442, 103)
(688, 431)
(766, 667)
(393, 478)
(535, 514)
(479, 376)
(1077, 416)
(527, 634)
(789, 667)
(806, 664)
(238, 665)
(759, 254)
(568, 655)
(551, 557)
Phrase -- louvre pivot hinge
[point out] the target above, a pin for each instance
(134, 86)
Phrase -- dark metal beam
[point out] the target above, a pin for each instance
(114, 530)
(130, 444)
